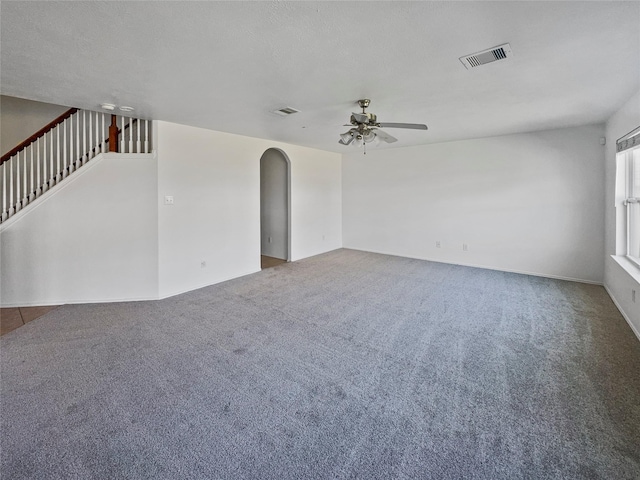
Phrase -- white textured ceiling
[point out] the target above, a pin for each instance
(226, 65)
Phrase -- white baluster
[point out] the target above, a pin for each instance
(100, 130)
(77, 158)
(90, 152)
(64, 150)
(122, 136)
(18, 181)
(98, 141)
(38, 178)
(11, 204)
(5, 214)
(52, 173)
(96, 146)
(103, 144)
(45, 182)
(138, 143)
(58, 169)
(22, 172)
(84, 137)
(32, 188)
(72, 160)
(131, 135)
(25, 190)
(146, 136)
(104, 133)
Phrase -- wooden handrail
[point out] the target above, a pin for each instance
(38, 134)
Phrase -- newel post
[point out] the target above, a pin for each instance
(113, 134)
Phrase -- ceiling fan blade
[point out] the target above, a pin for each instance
(360, 117)
(414, 126)
(385, 137)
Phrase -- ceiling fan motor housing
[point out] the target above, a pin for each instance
(371, 119)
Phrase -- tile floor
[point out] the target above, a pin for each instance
(12, 318)
(268, 262)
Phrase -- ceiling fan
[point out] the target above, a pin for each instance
(366, 128)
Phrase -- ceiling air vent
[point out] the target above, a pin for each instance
(501, 52)
(283, 112)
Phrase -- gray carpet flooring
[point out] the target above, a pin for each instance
(344, 365)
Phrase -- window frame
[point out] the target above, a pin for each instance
(631, 201)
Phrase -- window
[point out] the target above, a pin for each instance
(632, 203)
(629, 194)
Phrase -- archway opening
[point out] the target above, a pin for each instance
(275, 208)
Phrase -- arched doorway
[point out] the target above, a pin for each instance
(275, 208)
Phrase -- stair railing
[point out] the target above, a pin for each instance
(61, 147)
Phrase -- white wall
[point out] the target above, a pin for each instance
(105, 234)
(316, 201)
(528, 203)
(274, 205)
(92, 239)
(214, 178)
(618, 280)
(19, 119)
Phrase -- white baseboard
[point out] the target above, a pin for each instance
(521, 272)
(123, 299)
(207, 284)
(622, 312)
(77, 302)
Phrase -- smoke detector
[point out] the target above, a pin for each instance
(501, 52)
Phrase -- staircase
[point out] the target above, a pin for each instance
(62, 147)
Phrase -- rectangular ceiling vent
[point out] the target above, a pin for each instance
(283, 112)
(501, 52)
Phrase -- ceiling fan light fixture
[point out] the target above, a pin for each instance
(369, 136)
(346, 137)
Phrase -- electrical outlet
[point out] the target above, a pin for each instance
(168, 199)
(437, 243)
(633, 296)
(465, 247)
(269, 239)
(203, 264)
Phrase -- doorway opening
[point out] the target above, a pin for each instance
(275, 208)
